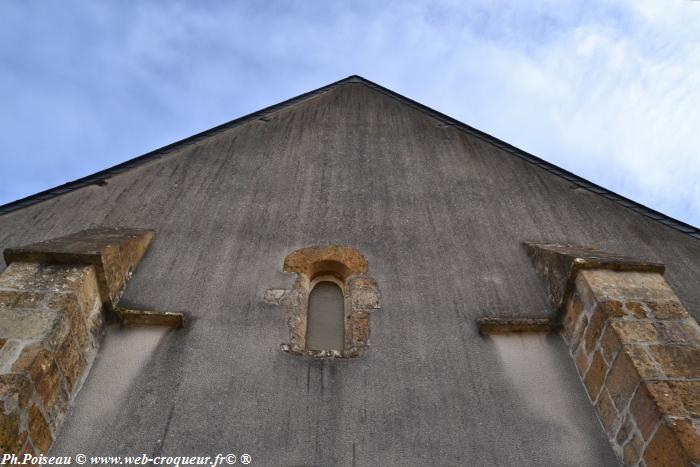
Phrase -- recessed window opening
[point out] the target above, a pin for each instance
(330, 302)
(326, 317)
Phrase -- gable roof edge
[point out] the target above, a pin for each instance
(548, 166)
(99, 178)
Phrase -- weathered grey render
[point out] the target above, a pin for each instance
(439, 210)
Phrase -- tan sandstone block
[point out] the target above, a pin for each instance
(688, 436)
(610, 344)
(605, 408)
(359, 327)
(33, 325)
(665, 450)
(70, 304)
(632, 450)
(678, 398)
(11, 439)
(594, 329)
(670, 309)
(39, 365)
(622, 380)
(17, 388)
(625, 431)
(39, 430)
(11, 298)
(595, 376)
(666, 397)
(70, 362)
(645, 411)
(645, 364)
(635, 309)
(572, 320)
(612, 308)
(582, 361)
(634, 331)
(628, 285)
(678, 360)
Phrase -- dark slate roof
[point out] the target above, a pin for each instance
(440, 211)
(100, 177)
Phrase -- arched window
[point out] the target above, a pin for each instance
(328, 307)
(325, 324)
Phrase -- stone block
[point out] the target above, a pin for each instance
(644, 362)
(594, 329)
(610, 344)
(581, 360)
(33, 325)
(689, 437)
(11, 440)
(38, 364)
(692, 331)
(70, 304)
(612, 308)
(22, 298)
(645, 411)
(632, 450)
(677, 360)
(39, 430)
(571, 320)
(667, 309)
(634, 331)
(9, 353)
(665, 450)
(667, 398)
(595, 376)
(16, 388)
(671, 332)
(70, 362)
(626, 430)
(636, 309)
(607, 413)
(359, 328)
(364, 298)
(688, 394)
(630, 286)
(622, 380)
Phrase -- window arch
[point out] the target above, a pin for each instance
(329, 304)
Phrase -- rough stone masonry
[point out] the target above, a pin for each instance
(54, 299)
(636, 349)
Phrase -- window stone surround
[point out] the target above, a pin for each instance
(360, 292)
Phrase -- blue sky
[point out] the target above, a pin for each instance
(609, 90)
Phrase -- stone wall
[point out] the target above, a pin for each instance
(636, 349)
(54, 298)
